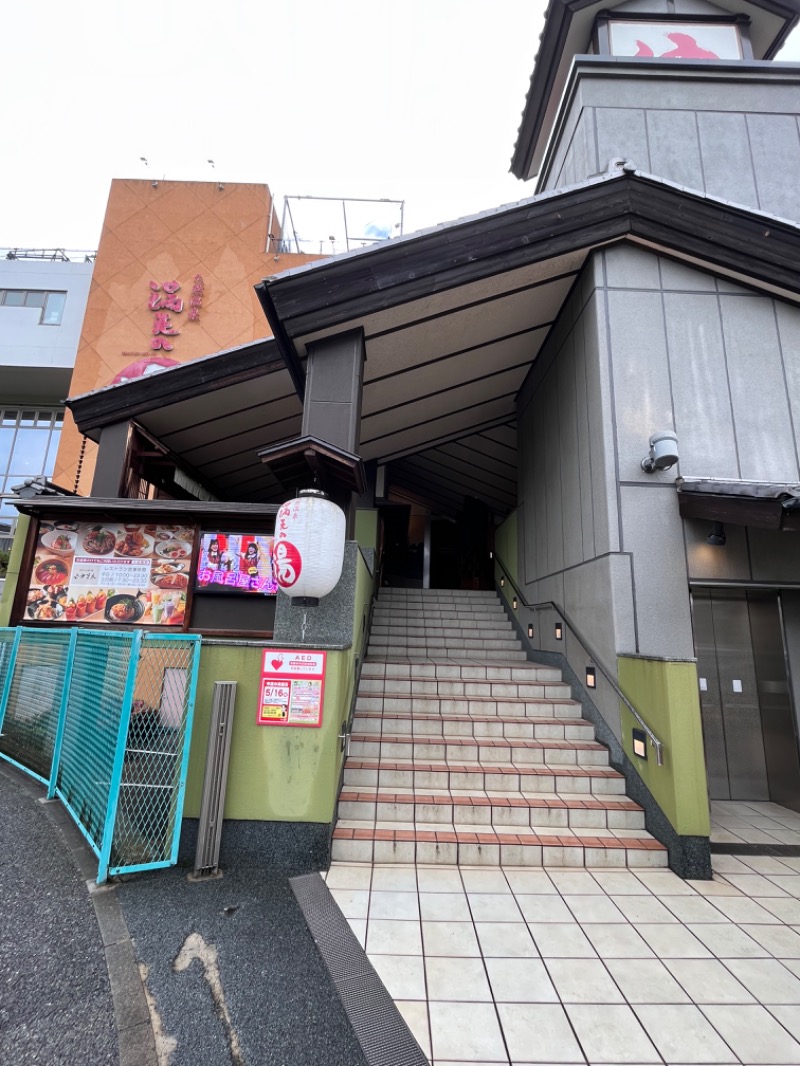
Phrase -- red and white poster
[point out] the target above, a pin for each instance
(292, 687)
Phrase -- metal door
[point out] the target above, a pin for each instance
(748, 721)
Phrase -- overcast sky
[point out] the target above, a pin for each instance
(418, 101)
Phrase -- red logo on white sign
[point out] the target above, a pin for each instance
(288, 564)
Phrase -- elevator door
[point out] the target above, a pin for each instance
(748, 718)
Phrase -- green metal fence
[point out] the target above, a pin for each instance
(104, 719)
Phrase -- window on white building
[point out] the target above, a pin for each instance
(50, 303)
(28, 444)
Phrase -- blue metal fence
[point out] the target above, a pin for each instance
(104, 719)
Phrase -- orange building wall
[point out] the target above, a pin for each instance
(171, 232)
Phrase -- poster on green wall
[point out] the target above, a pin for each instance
(292, 687)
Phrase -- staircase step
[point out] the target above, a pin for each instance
(426, 669)
(538, 811)
(439, 639)
(436, 688)
(371, 723)
(477, 777)
(441, 627)
(405, 703)
(486, 845)
(484, 750)
(463, 751)
(448, 651)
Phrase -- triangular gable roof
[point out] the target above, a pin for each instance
(453, 318)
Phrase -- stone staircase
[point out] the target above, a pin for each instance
(464, 752)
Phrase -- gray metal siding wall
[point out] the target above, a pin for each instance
(736, 140)
(569, 532)
(645, 344)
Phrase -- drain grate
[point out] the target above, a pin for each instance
(379, 1027)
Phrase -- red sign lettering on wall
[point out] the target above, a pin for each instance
(163, 299)
(196, 302)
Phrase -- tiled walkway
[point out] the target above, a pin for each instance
(513, 966)
(737, 822)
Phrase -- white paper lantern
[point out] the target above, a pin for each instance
(309, 545)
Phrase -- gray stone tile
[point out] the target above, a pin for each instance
(753, 1034)
(768, 980)
(583, 981)
(466, 1032)
(727, 942)
(613, 941)
(779, 940)
(611, 1034)
(541, 1030)
(457, 979)
(646, 981)
(708, 981)
(561, 941)
(683, 1035)
(521, 981)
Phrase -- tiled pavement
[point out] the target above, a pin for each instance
(517, 966)
(739, 822)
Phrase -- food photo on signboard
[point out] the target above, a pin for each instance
(105, 572)
(236, 562)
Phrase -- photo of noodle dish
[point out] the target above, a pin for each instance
(51, 572)
(99, 541)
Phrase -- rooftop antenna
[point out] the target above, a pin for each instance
(220, 186)
(142, 159)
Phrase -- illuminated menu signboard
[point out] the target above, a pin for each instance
(104, 572)
(236, 562)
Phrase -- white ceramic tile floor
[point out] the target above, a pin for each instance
(737, 822)
(513, 967)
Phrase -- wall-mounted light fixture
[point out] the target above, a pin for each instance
(717, 535)
(591, 677)
(514, 603)
(559, 631)
(663, 452)
(502, 582)
(491, 555)
(530, 629)
(640, 743)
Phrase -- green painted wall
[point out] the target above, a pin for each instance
(366, 531)
(505, 548)
(12, 577)
(666, 694)
(276, 773)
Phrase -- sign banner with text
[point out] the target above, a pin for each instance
(292, 687)
(105, 572)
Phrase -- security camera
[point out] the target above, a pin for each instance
(663, 452)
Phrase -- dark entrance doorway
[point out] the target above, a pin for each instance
(749, 721)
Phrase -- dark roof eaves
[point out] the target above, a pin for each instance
(114, 403)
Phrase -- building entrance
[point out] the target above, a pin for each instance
(749, 721)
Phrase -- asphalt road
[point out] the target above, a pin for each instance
(55, 996)
(234, 971)
(231, 970)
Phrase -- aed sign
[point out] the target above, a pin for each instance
(292, 687)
